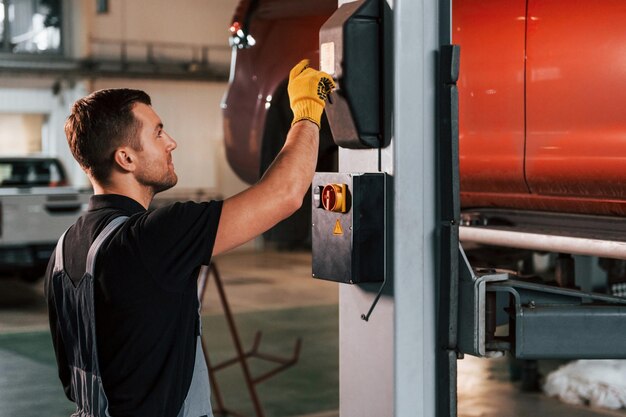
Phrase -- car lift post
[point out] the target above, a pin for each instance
(449, 210)
(388, 365)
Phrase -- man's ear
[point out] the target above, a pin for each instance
(125, 159)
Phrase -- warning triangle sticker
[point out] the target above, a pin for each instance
(337, 230)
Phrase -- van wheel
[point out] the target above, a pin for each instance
(295, 231)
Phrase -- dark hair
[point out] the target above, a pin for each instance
(99, 124)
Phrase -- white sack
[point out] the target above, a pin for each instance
(600, 383)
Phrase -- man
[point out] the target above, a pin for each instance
(140, 297)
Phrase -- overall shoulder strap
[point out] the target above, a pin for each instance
(58, 257)
(95, 246)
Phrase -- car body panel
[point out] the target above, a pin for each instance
(576, 119)
(258, 72)
(540, 90)
(491, 94)
(36, 206)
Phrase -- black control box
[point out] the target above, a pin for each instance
(348, 221)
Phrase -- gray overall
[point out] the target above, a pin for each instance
(75, 307)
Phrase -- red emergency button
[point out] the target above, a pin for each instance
(334, 197)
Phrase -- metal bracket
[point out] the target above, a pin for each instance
(472, 308)
(544, 321)
(552, 322)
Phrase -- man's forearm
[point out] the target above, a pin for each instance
(281, 190)
(292, 170)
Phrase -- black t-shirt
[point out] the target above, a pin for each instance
(145, 297)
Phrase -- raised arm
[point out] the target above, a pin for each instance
(281, 190)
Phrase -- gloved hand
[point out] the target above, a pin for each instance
(308, 90)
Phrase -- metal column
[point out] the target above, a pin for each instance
(388, 364)
(419, 26)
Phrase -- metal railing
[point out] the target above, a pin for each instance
(110, 58)
(129, 51)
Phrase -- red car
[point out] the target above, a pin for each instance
(541, 87)
(541, 92)
(269, 37)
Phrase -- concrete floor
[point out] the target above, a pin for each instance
(268, 290)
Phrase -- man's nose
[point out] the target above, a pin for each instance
(172, 145)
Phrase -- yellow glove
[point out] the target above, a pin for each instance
(308, 90)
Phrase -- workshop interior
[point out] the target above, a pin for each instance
(461, 251)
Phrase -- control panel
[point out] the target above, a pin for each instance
(348, 221)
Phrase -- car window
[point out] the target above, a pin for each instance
(30, 172)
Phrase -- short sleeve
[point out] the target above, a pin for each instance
(173, 241)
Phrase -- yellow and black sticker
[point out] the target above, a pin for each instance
(337, 230)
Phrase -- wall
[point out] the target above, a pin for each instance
(28, 126)
(187, 21)
(190, 110)
(196, 22)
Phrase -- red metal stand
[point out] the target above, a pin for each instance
(241, 357)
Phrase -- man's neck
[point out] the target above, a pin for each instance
(141, 194)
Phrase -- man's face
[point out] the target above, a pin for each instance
(154, 167)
